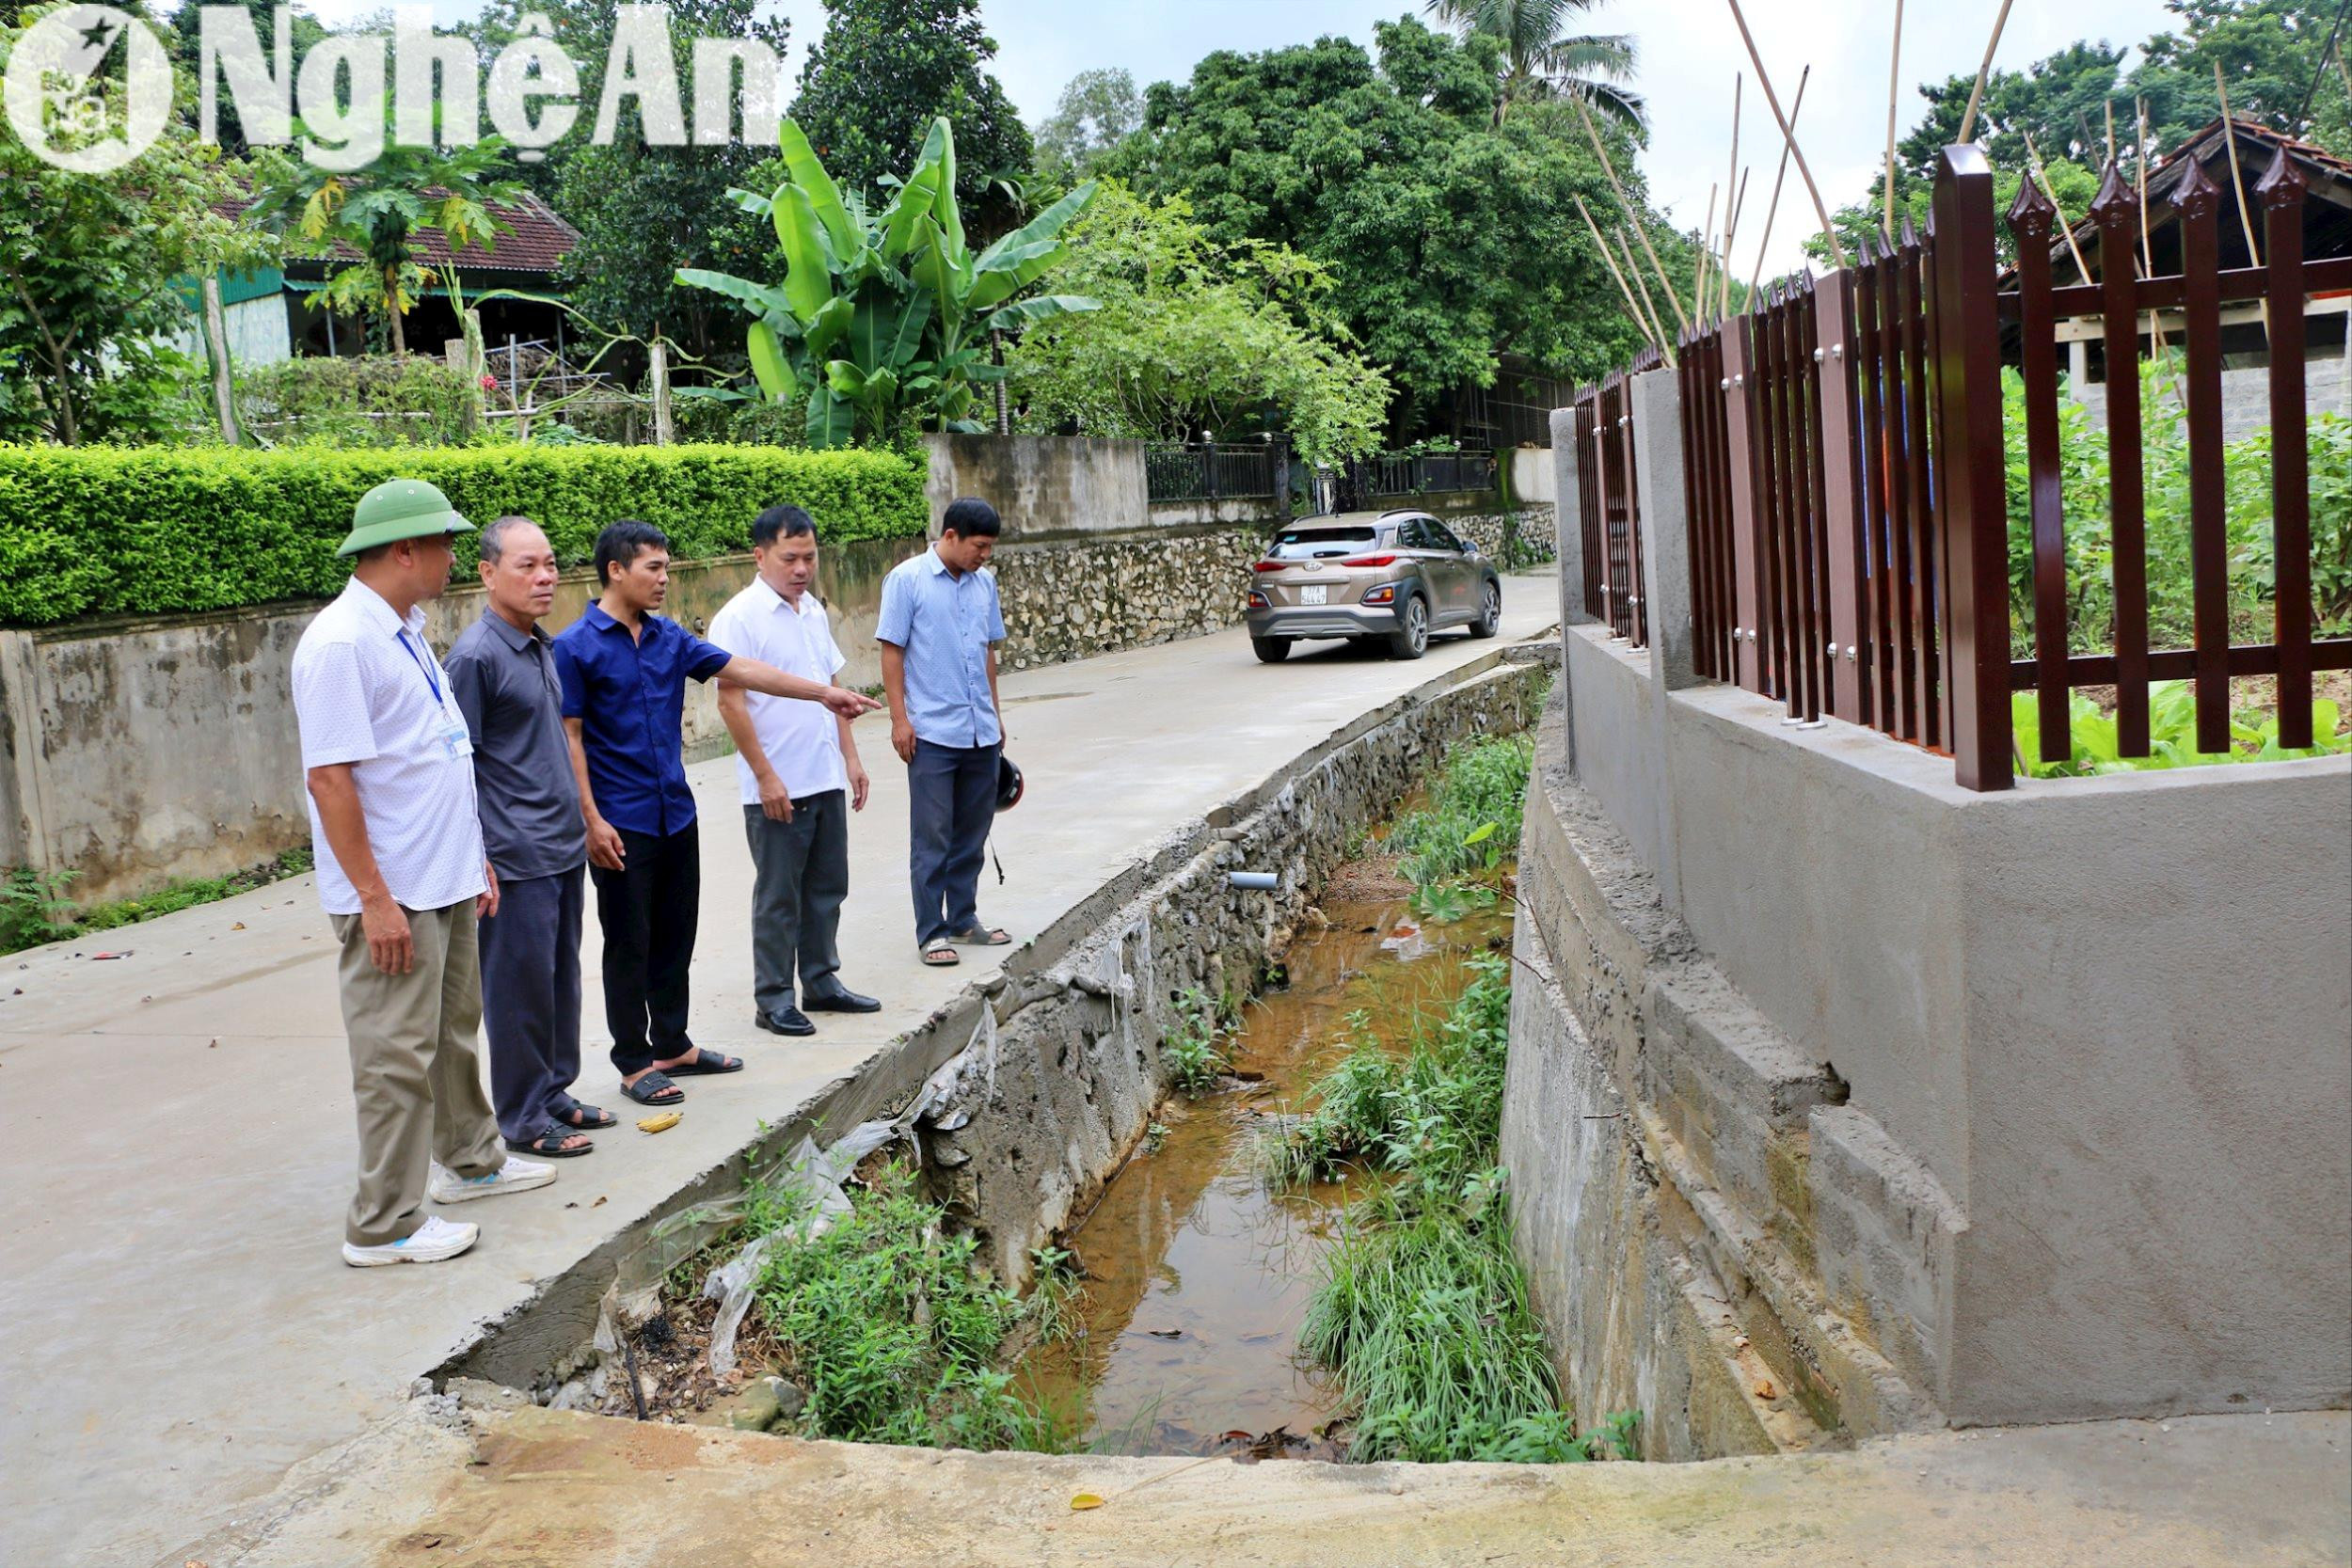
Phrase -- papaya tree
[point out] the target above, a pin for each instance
(886, 315)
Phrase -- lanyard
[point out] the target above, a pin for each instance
(401, 637)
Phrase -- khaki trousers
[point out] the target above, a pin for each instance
(414, 1074)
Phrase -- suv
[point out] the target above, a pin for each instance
(1397, 578)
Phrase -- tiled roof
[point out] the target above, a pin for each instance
(538, 240)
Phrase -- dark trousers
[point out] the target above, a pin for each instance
(951, 796)
(530, 998)
(800, 874)
(648, 910)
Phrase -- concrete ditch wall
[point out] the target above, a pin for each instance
(1991, 1108)
(1043, 1080)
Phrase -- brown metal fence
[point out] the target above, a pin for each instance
(1846, 481)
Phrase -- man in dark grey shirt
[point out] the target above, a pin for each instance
(503, 676)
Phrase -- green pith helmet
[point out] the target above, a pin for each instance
(400, 509)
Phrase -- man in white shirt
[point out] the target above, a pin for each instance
(801, 777)
(402, 876)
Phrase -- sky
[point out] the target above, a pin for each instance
(1689, 53)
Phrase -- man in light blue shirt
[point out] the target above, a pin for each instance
(940, 625)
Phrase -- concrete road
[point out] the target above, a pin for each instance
(180, 1327)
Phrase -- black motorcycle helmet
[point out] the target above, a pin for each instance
(1007, 783)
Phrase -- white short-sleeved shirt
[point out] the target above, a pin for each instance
(802, 738)
(368, 691)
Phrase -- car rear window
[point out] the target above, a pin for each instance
(1308, 543)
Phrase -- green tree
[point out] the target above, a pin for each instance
(1193, 334)
(1452, 237)
(643, 212)
(90, 266)
(1541, 58)
(884, 70)
(184, 39)
(1097, 111)
(379, 212)
(2274, 54)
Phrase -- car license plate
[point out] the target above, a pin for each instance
(1314, 596)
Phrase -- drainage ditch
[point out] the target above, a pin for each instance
(1045, 1246)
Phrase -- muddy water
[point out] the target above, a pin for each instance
(1197, 1271)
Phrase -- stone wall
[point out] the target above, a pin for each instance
(1041, 486)
(1077, 598)
(1514, 539)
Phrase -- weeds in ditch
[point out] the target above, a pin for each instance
(1054, 1292)
(1194, 1048)
(890, 1325)
(1454, 848)
(1421, 1308)
(34, 908)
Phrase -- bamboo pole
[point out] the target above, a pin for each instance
(216, 350)
(1731, 227)
(1630, 211)
(1772, 209)
(1976, 95)
(1707, 249)
(2237, 184)
(1633, 309)
(2147, 241)
(1624, 242)
(2109, 106)
(1788, 135)
(1731, 176)
(1893, 91)
(2041, 178)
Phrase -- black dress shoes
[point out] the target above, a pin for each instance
(842, 1001)
(784, 1020)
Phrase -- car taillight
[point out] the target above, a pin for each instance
(1267, 565)
(1369, 560)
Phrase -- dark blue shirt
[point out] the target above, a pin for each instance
(630, 696)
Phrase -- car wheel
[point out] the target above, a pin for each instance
(1489, 612)
(1270, 650)
(1411, 638)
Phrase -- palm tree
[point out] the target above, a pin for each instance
(377, 213)
(1540, 57)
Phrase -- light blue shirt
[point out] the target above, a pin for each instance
(945, 623)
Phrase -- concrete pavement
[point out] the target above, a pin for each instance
(181, 1330)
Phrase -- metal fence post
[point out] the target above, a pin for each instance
(1567, 518)
(1973, 507)
(1840, 499)
(1747, 604)
(1665, 521)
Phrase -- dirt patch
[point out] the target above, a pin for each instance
(671, 1352)
(1366, 879)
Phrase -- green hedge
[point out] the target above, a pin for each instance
(107, 530)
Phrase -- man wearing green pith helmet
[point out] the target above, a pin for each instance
(402, 876)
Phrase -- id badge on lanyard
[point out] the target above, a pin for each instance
(457, 741)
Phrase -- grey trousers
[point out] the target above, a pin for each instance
(951, 802)
(801, 875)
(530, 998)
(413, 1071)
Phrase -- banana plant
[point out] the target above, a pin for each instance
(879, 314)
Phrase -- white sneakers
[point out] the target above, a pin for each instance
(430, 1242)
(438, 1239)
(515, 1176)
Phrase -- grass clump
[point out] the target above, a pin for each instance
(1194, 1048)
(35, 908)
(1452, 850)
(892, 1327)
(1421, 1310)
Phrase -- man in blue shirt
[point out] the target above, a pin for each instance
(940, 624)
(624, 671)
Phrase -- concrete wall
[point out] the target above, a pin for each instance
(142, 751)
(1042, 486)
(1532, 475)
(2246, 395)
(2109, 1021)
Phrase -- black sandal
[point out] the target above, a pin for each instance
(705, 1064)
(549, 1145)
(654, 1089)
(587, 1118)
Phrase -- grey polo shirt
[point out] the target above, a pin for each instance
(506, 683)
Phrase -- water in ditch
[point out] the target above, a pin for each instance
(1196, 1270)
